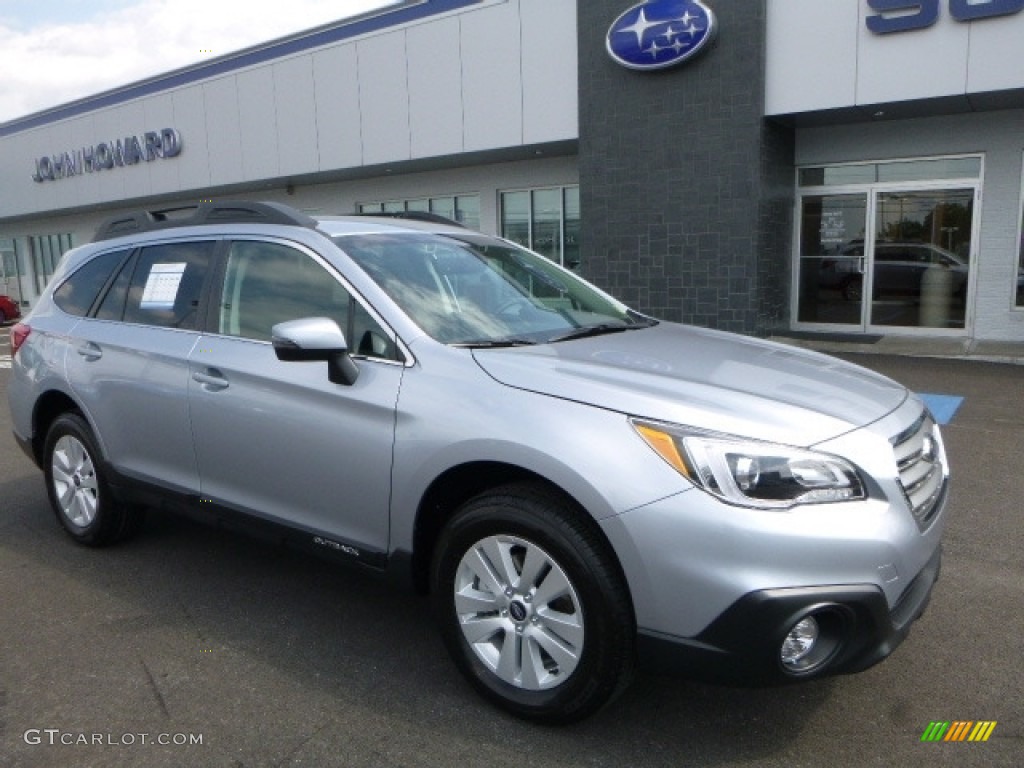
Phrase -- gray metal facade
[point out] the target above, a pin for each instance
(686, 189)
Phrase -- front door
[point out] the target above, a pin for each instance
(278, 439)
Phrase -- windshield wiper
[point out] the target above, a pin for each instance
(492, 343)
(599, 330)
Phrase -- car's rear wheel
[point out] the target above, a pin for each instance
(78, 491)
(532, 607)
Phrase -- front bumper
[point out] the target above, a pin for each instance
(743, 644)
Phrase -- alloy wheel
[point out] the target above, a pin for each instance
(75, 483)
(519, 612)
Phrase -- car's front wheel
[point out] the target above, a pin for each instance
(532, 606)
(78, 491)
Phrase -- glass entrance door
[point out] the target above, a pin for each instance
(887, 245)
(913, 271)
(920, 260)
(832, 259)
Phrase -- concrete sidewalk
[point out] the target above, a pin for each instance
(909, 346)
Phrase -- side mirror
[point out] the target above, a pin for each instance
(315, 338)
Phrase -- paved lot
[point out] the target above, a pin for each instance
(275, 659)
(5, 346)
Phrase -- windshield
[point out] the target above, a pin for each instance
(471, 290)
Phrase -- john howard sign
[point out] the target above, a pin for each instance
(106, 155)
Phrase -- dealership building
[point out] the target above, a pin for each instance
(768, 167)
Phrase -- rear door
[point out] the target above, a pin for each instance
(277, 439)
(128, 362)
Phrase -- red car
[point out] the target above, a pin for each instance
(8, 309)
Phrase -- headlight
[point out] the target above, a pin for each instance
(750, 473)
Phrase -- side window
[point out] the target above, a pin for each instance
(77, 294)
(166, 284)
(112, 306)
(269, 283)
(368, 338)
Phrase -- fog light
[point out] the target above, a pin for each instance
(799, 643)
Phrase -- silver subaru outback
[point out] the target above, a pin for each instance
(580, 488)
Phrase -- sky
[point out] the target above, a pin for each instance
(56, 51)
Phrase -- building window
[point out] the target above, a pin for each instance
(10, 273)
(544, 220)
(464, 209)
(47, 251)
(889, 171)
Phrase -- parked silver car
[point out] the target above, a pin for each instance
(579, 487)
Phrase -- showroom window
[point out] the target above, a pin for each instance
(544, 220)
(464, 209)
(47, 251)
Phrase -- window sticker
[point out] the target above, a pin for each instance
(162, 286)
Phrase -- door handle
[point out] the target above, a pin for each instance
(212, 381)
(89, 351)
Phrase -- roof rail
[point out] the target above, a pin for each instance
(436, 218)
(226, 212)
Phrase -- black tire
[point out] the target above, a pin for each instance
(590, 628)
(78, 491)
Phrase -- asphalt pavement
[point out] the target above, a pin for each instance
(191, 647)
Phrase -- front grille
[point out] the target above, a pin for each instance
(919, 457)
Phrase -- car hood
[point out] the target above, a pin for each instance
(705, 379)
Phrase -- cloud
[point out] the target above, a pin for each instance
(53, 63)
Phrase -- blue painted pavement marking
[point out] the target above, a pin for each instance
(943, 407)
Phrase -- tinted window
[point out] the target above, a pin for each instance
(79, 291)
(112, 306)
(269, 283)
(166, 284)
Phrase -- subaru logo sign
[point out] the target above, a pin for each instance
(660, 33)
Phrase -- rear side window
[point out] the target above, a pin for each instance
(112, 305)
(77, 294)
(166, 284)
